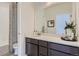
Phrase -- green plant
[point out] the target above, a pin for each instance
(71, 26)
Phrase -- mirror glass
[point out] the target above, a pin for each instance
(52, 19)
(60, 23)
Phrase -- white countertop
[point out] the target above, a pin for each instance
(55, 39)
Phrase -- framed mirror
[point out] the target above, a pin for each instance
(53, 17)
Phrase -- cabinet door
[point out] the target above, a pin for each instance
(31, 49)
(64, 48)
(56, 53)
(42, 51)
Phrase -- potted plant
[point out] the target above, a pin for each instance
(71, 26)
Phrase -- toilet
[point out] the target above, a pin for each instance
(15, 48)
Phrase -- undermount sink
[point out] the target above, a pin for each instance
(46, 35)
(36, 34)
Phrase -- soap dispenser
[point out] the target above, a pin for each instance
(43, 29)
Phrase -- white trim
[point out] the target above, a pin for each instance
(21, 45)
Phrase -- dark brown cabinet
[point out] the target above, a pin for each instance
(63, 49)
(42, 51)
(36, 47)
(31, 49)
(30, 40)
(56, 53)
(42, 43)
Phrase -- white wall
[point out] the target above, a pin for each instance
(77, 18)
(4, 24)
(25, 24)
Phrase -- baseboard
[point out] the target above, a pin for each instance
(4, 50)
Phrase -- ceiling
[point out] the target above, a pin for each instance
(44, 4)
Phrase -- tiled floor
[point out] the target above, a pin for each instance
(9, 54)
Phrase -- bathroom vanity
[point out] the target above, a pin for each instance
(39, 46)
(52, 45)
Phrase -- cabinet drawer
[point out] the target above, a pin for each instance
(30, 40)
(64, 48)
(43, 43)
(56, 53)
(42, 51)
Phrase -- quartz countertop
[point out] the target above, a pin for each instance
(54, 38)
